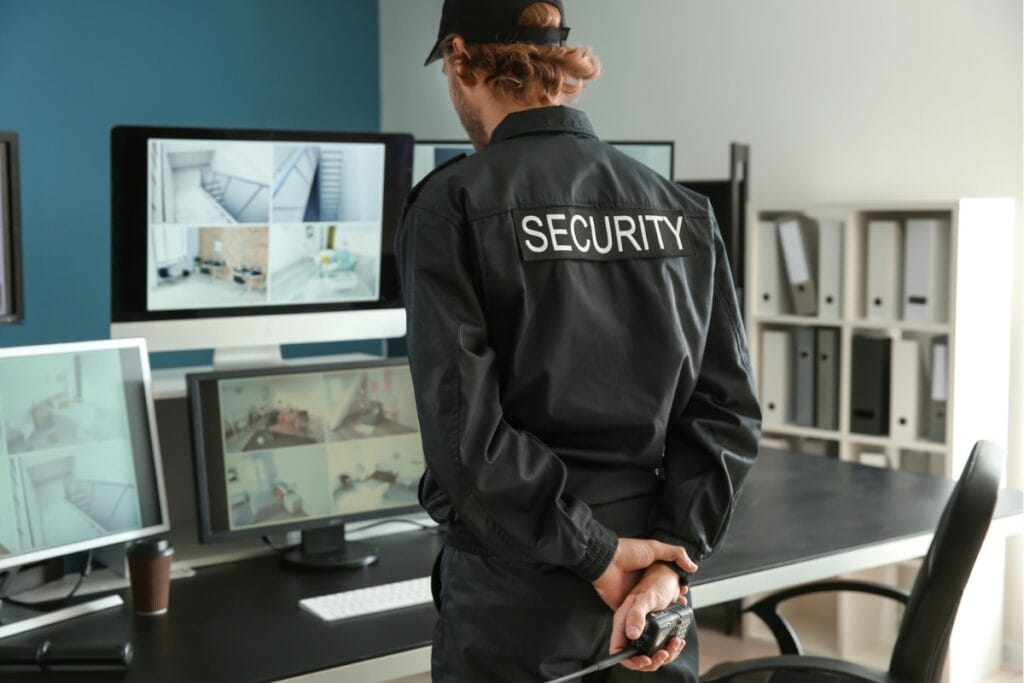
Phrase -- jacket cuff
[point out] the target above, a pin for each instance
(598, 554)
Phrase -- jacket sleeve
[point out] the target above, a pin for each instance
(503, 483)
(712, 440)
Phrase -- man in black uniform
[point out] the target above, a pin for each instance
(581, 372)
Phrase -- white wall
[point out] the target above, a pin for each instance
(841, 101)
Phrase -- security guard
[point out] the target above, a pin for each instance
(581, 372)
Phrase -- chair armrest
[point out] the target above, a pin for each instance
(767, 609)
(835, 669)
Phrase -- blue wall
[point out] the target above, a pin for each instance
(71, 69)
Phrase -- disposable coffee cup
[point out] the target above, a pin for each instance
(149, 564)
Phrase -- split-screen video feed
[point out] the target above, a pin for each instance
(243, 224)
(319, 445)
(67, 472)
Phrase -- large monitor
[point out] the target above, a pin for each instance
(79, 460)
(430, 154)
(11, 297)
(235, 239)
(306, 449)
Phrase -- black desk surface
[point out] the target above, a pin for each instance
(241, 621)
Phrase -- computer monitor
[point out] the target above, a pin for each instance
(79, 458)
(430, 154)
(11, 297)
(234, 239)
(660, 156)
(305, 449)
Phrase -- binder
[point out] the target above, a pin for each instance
(906, 380)
(802, 390)
(830, 269)
(775, 377)
(796, 259)
(938, 390)
(883, 280)
(869, 391)
(926, 271)
(770, 278)
(827, 378)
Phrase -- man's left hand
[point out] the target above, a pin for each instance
(658, 587)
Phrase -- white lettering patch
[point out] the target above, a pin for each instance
(601, 235)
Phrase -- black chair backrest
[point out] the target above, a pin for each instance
(920, 649)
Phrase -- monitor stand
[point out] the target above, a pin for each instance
(239, 357)
(327, 549)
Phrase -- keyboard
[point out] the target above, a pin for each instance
(364, 601)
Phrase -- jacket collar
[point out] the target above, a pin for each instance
(543, 120)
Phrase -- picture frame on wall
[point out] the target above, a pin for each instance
(11, 282)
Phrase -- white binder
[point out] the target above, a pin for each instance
(770, 279)
(926, 271)
(775, 375)
(799, 273)
(883, 282)
(905, 388)
(830, 269)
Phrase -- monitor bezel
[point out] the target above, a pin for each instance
(18, 560)
(207, 532)
(129, 220)
(11, 210)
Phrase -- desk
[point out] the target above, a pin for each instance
(241, 622)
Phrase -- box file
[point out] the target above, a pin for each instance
(938, 390)
(830, 269)
(906, 381)
(771, 282)
(775, 377)
(882, 287)
(802, 389)
(926, 271)
(869, 393)
(793, 241)
(827, 378)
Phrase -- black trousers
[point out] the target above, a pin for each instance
(506, 622)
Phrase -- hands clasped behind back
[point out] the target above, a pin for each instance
(635, 584)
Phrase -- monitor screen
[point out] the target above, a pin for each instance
(299, 448)
(430, 154)
(657, 155)
(213, 223)
(10, 231)
(79, 461)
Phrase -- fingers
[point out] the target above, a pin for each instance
(618, 640)
(660, 659)
(670, 553)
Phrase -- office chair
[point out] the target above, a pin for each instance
(931, 606)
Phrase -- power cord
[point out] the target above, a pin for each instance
(44, 605)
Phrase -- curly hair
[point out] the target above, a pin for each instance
(526, 73)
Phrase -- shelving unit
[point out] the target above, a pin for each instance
(976, 326)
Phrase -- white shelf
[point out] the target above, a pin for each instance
(977, 325)
(804, 432)
(889, 442)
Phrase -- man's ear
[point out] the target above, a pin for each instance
(461, 71)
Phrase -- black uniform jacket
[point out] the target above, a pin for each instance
(575, 344)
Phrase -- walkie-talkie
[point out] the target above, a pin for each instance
(660, 627)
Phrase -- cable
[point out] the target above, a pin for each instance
(603, 664)
(44, 605)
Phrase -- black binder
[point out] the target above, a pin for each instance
(871, 361)
(802, 395)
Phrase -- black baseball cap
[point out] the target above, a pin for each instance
(494, 21)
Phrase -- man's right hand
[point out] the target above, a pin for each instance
(631, 558)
